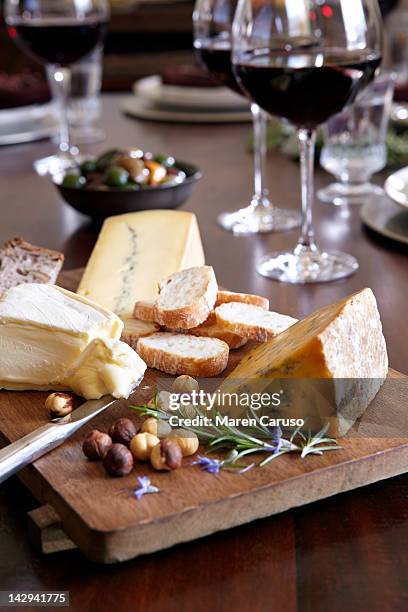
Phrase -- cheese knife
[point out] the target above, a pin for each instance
(17, 455)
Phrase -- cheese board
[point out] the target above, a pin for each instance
(108, 524)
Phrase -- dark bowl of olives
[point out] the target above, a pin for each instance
(126, 180)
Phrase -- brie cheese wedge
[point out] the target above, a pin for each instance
(52, 339)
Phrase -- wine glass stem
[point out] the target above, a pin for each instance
(307, 139)
(259, 121)
(62, 82)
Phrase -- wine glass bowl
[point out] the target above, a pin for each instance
(212, 41)
(58, 33)
(304, 62)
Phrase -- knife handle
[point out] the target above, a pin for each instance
(17, 455)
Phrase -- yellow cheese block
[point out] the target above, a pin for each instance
(341, 347)
(134, 252)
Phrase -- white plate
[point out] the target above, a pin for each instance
(152, 90)
(33, 112)
(28, 131)
(138, 108)
(396, 187)
(386, 218)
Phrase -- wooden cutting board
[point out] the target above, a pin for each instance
(109, 525)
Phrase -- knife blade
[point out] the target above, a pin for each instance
(34, 445)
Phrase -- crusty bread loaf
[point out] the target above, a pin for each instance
(22, 262)
(186, 298)
(184, 354)
(135, 329)
(251, 321)
(225, 297)
(145, 311)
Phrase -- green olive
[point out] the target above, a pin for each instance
(106, 159)
(165, 160)
(74, 181)
(88, 166)
(116, 177)
(131, 187)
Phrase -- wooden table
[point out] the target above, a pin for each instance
(344, 553)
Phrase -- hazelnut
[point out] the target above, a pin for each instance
(187, 441)
(157, 427)
(166, 455)
(96, 445)
(123, 431)
(118, 461)
(161, 401)
(142, 445)
(59, 405)
(185, 384)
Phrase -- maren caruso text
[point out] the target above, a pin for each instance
(218, 420)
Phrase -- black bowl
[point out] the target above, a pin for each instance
(99, 204)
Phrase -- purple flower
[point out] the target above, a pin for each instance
(145, 487)
(278, 446)
(276, 440)
(247, 468)
(212, 466)
(276, 433)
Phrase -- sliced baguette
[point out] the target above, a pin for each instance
(186, 298)
(225, 297)
(135, 329)
(184, 354)
(145, 311)
(214, 330)
(251, 321)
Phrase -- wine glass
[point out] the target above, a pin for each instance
(304, 60)
(57, 33)
(212, 40)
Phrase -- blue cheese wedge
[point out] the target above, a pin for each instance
(328, 367)
(52, 339)
(135, 252)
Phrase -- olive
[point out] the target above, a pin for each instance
(165, 160)
(116, 177)
(106, 159)
(88, 166)
(75, 181)
(131, 187)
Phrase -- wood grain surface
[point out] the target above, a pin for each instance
(347, 552)
(104, 520)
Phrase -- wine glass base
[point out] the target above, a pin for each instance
(307, 266)
(340, 194)
(54, 164)
(259, 220)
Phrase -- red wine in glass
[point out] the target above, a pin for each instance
(53, 41)
(306, 86)
(216, 56)
(57, 34)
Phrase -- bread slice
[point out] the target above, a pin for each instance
(186, 298)
(135, 329)
(225, 297)
(251, 321)
(184, 354)
(145, 311)
(211, 329)
(234, 341)
(22, 262)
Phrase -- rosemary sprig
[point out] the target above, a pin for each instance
(256, 439)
